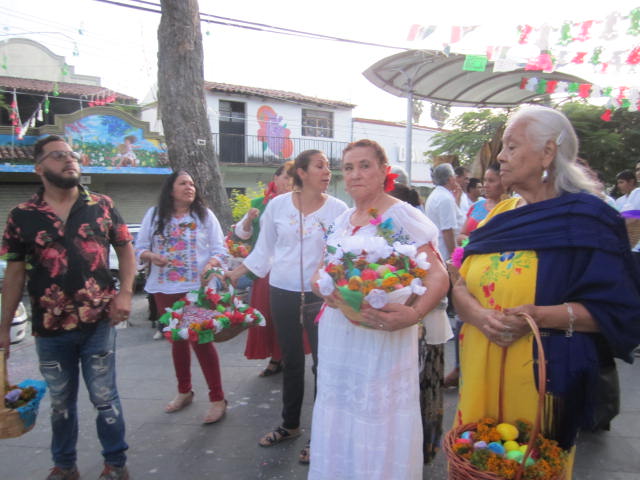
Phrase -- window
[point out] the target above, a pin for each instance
(317, 123)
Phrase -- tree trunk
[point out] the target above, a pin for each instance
(182, 103)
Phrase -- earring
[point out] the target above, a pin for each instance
(545, 175)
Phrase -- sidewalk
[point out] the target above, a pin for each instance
(178, 446)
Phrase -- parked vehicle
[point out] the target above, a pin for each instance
(114, 265)
(21, 317)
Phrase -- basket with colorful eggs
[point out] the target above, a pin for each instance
(498, 450)
(19, 407)
(237, 247)
(208, 315)
(494, 450)
(373, 270)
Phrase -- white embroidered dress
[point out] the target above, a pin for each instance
(366, 417)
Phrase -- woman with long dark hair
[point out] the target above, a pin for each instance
(289, 248)
(181, 239)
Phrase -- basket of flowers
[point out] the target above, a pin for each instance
(19, 408)
(207, 315)
(493, 450)
(237, 248)
(373, 271)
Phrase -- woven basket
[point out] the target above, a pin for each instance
(633, 230)
(11, 424)
(462, 469)
(404, 296)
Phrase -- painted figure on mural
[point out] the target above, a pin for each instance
(126, 157)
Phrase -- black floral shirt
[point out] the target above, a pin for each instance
(67, 264)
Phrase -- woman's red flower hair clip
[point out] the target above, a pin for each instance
(389, 180)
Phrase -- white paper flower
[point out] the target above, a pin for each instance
(217, 326)
(421, 260)
(336, 256)
(325, 283)
(354, 245)
(377, 298)
(262, 322)
(183, 333)
(405, 249)
(417, 287)
(192, 297)
(377, 249)
(173, 323)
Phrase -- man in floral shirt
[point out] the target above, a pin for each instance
(60, 240)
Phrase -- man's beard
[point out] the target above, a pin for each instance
(59, 181)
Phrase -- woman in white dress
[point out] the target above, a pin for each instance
(366, 418)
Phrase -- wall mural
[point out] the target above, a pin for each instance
(110, 142)
(107, 142)
(274, 134)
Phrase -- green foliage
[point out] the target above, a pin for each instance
(241, 202)
(609, 147)
(470, 131)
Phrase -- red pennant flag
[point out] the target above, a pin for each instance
(551, 86)
(584, 89)
(579, 58)
(606, 116)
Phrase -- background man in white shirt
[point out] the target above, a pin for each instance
(442, 210)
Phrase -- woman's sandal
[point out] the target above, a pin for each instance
(216, 412)
(178, 403)
(305, 454)
(273, 368)
(280, 434)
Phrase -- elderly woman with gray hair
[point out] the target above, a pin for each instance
(560, 254)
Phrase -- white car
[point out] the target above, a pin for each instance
(21, 317)
(114, 265)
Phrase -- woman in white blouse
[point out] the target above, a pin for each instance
(278, 252)
(181, 239)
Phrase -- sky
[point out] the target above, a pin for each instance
(120, 44)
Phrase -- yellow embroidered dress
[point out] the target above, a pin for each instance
(498, 281)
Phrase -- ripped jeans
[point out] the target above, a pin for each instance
(60, 358)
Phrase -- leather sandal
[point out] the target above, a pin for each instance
(182, 400)
(305, 454)
(216, 412)
(280, 434)
(273, 368)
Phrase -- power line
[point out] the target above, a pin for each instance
(264, 27)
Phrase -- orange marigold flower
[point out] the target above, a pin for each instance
(389, 282)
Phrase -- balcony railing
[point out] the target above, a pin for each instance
(250, 149)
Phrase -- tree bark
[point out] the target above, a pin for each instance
(182, 103)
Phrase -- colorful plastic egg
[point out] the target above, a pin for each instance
(515, 455)
(511, 445)
(523, 448)
(354, 272)
(480, 445)
(464, 440)
(496, 447)
(507, 431)
(466, 434)
(530, 461)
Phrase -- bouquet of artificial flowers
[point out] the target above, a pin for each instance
(206, 315)
(373, 271)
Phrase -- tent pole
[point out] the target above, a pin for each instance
(408, 139)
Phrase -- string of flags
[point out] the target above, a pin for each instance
(618, 97)
(611, 44)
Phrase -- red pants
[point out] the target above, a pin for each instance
(206, 353)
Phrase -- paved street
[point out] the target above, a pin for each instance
(178, 446)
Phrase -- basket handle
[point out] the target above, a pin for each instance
(3, 376)
(542, 382)
(219, 272)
